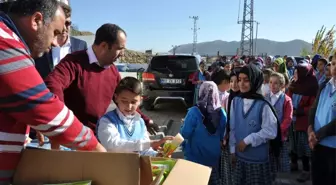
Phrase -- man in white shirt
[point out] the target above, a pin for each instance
(66, 44)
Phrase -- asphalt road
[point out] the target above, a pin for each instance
(169, 116)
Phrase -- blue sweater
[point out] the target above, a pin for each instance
(199, 145)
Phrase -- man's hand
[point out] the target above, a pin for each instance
(99, 148)
(40, 138)
(152, 127)
(156, 145)
(241, 146)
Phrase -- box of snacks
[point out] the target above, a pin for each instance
(45, 167)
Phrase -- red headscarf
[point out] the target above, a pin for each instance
(306, 84)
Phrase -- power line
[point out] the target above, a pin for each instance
(195, 29)
(246, 43)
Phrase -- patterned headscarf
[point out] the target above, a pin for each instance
(282, 66)
(209, 105)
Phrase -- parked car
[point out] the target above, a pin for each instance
(169, 78)
(121, 67)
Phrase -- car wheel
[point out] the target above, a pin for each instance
(148, 105)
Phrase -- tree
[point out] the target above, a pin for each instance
(304, 52)
(324, 42)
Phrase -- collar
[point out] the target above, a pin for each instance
(126, 119)
(93, 58)
(276, 94)
(332, 81)
(223, 93)
(68, 42)
(10, 24)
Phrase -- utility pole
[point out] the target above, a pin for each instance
(246, 43)
(195, 29)
(256, 39)
(175, 48)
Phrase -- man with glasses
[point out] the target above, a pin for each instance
(65, 44)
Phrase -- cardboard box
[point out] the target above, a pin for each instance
(50, 166)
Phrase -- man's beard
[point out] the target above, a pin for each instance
(39, 44)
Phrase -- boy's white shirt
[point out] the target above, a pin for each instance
(224, 97)
(109, 137)
(275, 97)
(265, 89)
(268, 127)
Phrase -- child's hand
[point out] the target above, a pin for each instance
(241, 146)
(40, 138)
(160, 154)
(157, 143)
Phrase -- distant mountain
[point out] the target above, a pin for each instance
(291, 48)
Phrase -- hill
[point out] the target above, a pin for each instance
(292, 48)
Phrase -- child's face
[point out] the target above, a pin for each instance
(266, 78)
(275, 85)
(320, 66)
(236, 64)
(227, 67)
(244, 83)
(328, 72)
(290, 63)
(127, 102)
(224, 86)
(202, 67)
(234, 84)
(333, 67)
(275, 67)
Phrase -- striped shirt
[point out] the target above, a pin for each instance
(26, 101)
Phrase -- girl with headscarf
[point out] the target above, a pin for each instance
(320, 70)
(302, 90)
(226, 166)
(203, 130)
(291, 64)
(279, 65)
(314, 61)
(253, 128)
(199, 77)
(269, 62)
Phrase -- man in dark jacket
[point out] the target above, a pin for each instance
(66, 44)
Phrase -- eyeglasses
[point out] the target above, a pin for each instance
(68, 23)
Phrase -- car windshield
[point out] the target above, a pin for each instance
(174, 63)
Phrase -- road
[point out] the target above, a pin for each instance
(170, 115)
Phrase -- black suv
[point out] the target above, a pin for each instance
(169, 78)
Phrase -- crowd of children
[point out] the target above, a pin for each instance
(269, 116)
(249, 122)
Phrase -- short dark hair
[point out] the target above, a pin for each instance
(22, 8)
(67, 9)
(219, 76)
(325, 62)
(129, 84)
(330, 58)
(267, 72)
(108, 33)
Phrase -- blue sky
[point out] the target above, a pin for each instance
(157, 25)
